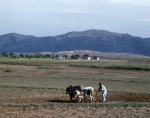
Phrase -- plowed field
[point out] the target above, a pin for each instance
(65, 99)
(37, 89)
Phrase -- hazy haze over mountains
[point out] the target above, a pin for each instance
(95, 40)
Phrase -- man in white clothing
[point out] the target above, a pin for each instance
(102, 89)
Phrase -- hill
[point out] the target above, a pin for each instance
(94, 40)
(105, 55)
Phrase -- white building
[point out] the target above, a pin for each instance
(60, 57)
(89, 58)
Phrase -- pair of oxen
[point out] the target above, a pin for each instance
(80, 93)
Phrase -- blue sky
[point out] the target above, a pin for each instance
(54, 17)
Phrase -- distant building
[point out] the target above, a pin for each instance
(60, 57)
(95, 58)
(88, 58)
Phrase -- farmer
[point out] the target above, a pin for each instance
(102, 89)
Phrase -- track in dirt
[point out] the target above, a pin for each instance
(130, 97)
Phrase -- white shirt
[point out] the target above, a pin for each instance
(103, 89)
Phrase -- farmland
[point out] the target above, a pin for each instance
(36, 88)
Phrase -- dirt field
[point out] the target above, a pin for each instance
(58, 109)
(75, 112)
(118, 97)
(37, 90)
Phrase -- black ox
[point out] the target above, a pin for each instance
(72, 91)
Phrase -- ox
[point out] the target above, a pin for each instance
(72, 91)
(85, 91)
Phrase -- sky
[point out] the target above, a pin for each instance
(55, 17)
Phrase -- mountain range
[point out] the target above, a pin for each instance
(94, 40)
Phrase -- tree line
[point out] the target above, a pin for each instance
(36, 55)
(39, 55)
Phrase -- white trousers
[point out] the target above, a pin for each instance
(104, 96)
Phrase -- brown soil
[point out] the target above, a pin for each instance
(76, 111)
(116, 97)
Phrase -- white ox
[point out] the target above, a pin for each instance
(85, 91)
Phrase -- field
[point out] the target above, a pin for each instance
(35, 88)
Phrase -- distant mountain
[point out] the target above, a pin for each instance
(95, 40)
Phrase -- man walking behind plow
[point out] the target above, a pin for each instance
(102, 89)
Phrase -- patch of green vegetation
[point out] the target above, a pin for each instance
(116, 65)
(29, 87)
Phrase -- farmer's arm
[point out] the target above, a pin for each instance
(98, 90)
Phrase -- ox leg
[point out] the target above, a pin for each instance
(70, 97)
(91, 98)
(85, 98)
(79, 99)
